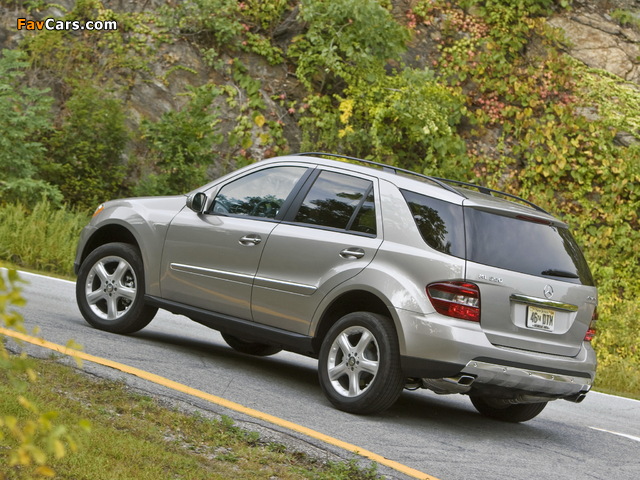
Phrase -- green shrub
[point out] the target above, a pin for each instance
(25, 118)
(345, 39)
(209, 21)
(181, 145)
(408, 119)
(626, 18)
(86, 153)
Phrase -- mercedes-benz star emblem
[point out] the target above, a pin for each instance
(548, 291)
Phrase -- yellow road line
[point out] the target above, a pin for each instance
(165, 382)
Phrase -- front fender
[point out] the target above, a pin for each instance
(140, 221)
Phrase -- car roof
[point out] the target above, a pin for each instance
(452, 191)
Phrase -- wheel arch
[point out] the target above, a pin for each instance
(109, 233)
(348, 302)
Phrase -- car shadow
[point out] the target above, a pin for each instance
(414, 411)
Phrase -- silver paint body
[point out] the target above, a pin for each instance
(287, 275)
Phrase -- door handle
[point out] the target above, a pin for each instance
(352, 253)
(250, 240)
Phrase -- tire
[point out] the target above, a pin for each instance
(250, 348)
(110, 289)
(519, 412)
(359, 364)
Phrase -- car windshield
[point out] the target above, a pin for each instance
(524, 245)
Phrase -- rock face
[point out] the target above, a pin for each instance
(600, 42)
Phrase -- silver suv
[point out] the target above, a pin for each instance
(390, 278)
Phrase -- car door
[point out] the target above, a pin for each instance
(210, 259)
(330, 234)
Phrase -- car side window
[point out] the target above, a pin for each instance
(259, 194)
(440, 223)
(339, 201)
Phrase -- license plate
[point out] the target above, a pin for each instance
(540, 318)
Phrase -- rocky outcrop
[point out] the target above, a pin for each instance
(600, 42)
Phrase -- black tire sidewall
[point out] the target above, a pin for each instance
(389, 381)
(138, 315)
(516, 413)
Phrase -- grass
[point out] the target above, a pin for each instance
(134, 437)
(44, 239)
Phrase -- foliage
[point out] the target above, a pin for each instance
(228, 24)
(209, 21)
(406, 119)
(42, 236)
(25, 117)
(345, 40)
(364, 107)
(135, 436)
(626, 18)
(86, 153)
(263, 15)
(32, 437)
(181, 144)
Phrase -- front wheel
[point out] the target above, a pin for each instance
(514, 413)
(359, 364)
(110, 289)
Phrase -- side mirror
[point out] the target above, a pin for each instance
(197, 202)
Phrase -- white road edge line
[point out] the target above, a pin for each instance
(22, 272)
(631, 437)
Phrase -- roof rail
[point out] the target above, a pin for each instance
(491, 191)
(442, 182)
(387, 168)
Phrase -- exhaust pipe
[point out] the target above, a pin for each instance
(577, 398)
(445, 386)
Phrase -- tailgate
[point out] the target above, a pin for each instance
(536, 290)
(532, 313)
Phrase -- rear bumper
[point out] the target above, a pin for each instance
(499, 379)
(459, 353)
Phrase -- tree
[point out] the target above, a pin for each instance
(25, 117)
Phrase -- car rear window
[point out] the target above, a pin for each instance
(440, 223)
(524, 246)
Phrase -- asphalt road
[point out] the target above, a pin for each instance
(442, 436)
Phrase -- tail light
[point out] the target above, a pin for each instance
(456, 299)
(591, 332)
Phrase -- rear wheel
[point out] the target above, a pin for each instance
(359, 364)
(110, 289)
(250, 348)
(500, 410)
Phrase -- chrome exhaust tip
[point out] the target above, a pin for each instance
(577, 398)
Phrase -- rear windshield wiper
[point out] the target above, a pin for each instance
(560, 273)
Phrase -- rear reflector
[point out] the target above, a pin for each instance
(591, 332)
(456, 299)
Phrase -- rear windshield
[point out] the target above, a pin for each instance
(524, 246)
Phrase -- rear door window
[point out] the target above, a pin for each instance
(526, 246)
(341, 202)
